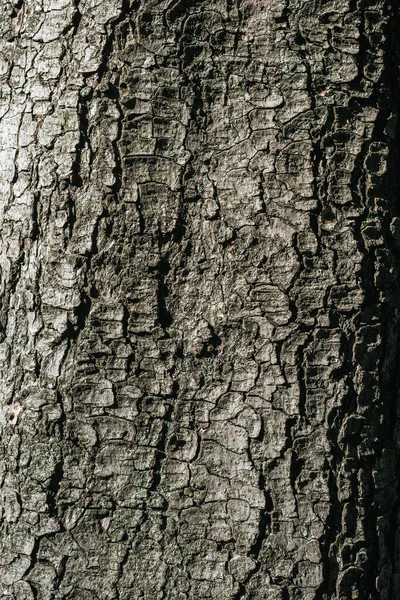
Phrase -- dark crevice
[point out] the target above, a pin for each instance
(164, 317)
(35, 217)
(264, 522)
(82, 312)
(296, 466)
(60, 575)
(84, 141)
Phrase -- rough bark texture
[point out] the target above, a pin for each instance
(199, 324)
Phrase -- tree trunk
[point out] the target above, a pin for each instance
(199, 324)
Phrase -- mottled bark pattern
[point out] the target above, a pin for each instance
(199, 255)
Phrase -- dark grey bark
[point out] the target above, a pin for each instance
(199, 341)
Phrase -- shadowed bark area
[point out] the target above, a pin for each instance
(199, 300)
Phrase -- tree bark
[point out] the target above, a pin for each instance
(199, 322)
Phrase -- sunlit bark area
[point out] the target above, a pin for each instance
(199, 300)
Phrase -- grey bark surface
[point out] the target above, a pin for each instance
(199, 320)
